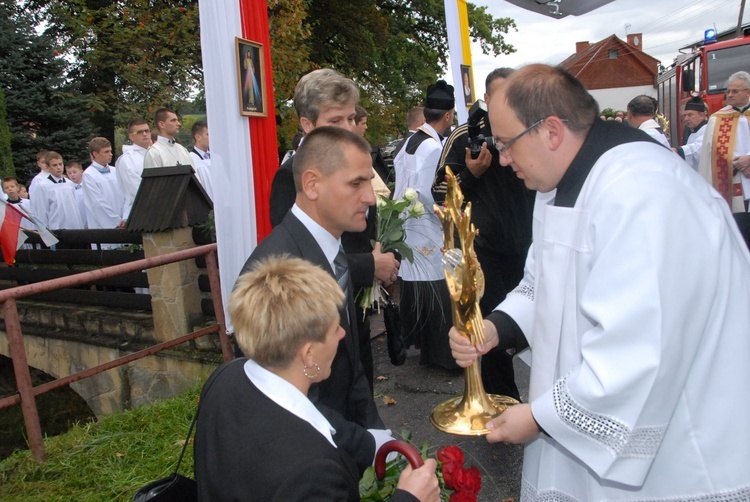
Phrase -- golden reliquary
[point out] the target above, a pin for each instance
(465, 415)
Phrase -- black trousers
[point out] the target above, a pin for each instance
(426, 319)
(365, 348)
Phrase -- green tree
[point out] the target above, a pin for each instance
(6, 159)
(45, 111)
(132, 56)
(393, 49)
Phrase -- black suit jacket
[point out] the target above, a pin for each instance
(344, 398)
(361, 261)
(247, 447)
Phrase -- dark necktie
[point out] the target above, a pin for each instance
(341, 269)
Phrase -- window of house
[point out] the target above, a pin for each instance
(613, 54)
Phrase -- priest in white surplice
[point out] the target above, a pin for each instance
(130, 164)
(634, 305)
(641, 115)
(696, 119)
(166, 151)
(725, 155)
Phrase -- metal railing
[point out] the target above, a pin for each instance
(26, 394)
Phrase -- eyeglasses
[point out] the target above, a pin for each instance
(503, 147)
(142, 131)
(736, 91)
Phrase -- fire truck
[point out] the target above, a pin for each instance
(704, 72)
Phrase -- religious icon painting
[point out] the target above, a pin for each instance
(251, 79)
(467, 85)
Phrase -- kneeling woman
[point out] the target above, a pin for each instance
(258, 436)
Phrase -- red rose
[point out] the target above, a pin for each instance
(451, 454)
(468, 480)
(463, 497)
(448, 470)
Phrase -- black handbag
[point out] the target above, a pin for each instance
(175, 487)
(394, 335)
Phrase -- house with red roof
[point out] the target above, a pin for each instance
(614, 71)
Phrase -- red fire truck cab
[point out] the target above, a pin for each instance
(703, 72)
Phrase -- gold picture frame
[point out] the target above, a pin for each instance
(251, 81)
(467, 85)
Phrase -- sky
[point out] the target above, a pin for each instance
(666, 26)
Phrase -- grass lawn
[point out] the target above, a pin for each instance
(105, 460)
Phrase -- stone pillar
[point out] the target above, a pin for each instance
(175, 296)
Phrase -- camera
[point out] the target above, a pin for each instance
(478, 114)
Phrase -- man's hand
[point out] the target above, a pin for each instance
(514, 425)
(386, 266)
(122, 224)
(479, 165)
(742, 163)
(464, 352)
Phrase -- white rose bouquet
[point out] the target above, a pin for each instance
(391, 234)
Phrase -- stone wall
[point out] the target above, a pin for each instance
(134, 384)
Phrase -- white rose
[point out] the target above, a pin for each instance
(417, 209)
(381, 203)
(410, 194)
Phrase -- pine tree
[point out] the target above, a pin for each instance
(6, 159)
(44, 111)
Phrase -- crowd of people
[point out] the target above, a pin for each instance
(68, 196)
(617, 266)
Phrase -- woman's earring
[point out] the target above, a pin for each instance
(311, 377)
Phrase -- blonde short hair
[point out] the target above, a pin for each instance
(279, 305)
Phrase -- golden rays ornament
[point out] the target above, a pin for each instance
(465, 415)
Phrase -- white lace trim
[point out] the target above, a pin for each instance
(529, 494)
(524, 290)
(614, 435)
(738, 495)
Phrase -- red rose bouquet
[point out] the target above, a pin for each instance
(457, 482)
(464, 482)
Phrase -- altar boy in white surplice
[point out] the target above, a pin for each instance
(102, 194)
(634, 305)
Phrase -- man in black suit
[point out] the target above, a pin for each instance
(332, 175)
(326, 98)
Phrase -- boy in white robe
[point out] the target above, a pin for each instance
(634, 305)
(74, 172)
(55, 202)
(201, 155)
(11, 189)
(103, 197)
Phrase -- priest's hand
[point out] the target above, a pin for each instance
(386, 266)
(742, 163)
(514, 425)
(464, 352)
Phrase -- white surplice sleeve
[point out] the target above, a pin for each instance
(704, 161)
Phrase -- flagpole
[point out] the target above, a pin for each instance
(459, 47)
